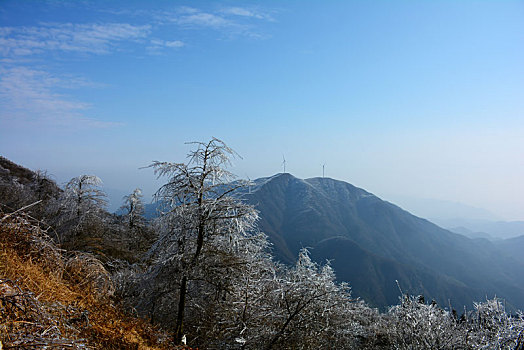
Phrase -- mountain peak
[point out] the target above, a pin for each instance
(322, 184)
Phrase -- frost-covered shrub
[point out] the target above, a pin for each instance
(414, 324)
(491, 327)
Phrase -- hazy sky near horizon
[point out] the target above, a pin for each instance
(413, 98)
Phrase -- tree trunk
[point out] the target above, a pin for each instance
(200, 242)
(179, 327)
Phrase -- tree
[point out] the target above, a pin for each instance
(78, 214)
(82, 195)
(198, 212)
(134, 208)
(311, 309)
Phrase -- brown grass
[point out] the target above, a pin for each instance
(45, 296)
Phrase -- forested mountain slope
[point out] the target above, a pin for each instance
(513, 247)
(372, 243)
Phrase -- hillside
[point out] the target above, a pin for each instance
(20, 186)
(51, 298)
(513, 247)
(372, 243)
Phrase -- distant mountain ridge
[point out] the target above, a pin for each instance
(493, 229)
(439, 209)
(372, 243)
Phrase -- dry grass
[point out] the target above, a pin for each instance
(52, 298)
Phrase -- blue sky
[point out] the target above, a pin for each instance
(411, 98)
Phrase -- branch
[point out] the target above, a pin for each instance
(21, 209)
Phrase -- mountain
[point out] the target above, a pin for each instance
(468, 233)
(436, 209)
(495, 229)
(513, 247)
(372, 243)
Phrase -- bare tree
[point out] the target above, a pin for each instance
(197, 210)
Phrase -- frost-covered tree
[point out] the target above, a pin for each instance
(199, 216)
(312, 311)
(133, 208)
(135, 234)
(234, 298)
(78, 214)
(82, 195)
